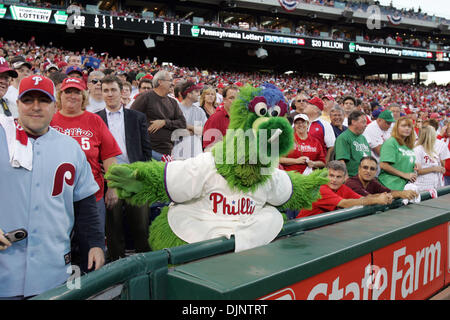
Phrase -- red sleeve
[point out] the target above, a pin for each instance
(347, 193)
(328, 202)
(214, 126)
(108, 145)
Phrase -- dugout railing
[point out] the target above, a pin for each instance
(185, 272)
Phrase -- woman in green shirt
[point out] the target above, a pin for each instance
(397, 158)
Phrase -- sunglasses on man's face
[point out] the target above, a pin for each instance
(95, 81)
(300, 101)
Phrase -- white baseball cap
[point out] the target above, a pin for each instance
(301, 116)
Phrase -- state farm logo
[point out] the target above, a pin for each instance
(406, 273)
(285, 294)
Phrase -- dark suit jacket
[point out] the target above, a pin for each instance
(137, 139)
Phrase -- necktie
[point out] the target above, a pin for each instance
(5, 108)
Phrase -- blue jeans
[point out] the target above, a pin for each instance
(447, 180)
(156, 155)
(102, 214)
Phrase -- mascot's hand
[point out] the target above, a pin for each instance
(122, 178)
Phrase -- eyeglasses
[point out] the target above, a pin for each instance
(300, 100)
(367, 168)
(95, 81)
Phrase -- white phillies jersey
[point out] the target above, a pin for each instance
(430, 180)
(41, 201)
(206, 208)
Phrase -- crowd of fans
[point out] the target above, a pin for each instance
(359, 130)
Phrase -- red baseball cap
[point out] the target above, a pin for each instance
(329, 97)
(73, 83)
(4, 67)
(317, 102)
(147, 76)
(62, 64)
(37, 83)
(434, 115)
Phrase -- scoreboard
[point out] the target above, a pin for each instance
(75, 20)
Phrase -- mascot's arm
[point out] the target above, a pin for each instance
(139, 182)
(305, 189)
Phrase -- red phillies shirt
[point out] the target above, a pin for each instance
(219, 120)
(95, 140)
(311, 148)
(329, 200)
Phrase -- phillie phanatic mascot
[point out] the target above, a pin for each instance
(232, 190)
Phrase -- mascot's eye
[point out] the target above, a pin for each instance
(275, 112)
(261, 103)
(261, 109)
(282, 107)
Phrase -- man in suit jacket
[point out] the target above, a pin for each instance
(129, 128)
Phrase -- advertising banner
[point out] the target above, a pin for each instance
(349, 281)
(414, 268)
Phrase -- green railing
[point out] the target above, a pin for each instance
(144, 276)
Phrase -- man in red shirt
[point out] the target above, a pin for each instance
(336, 194)
(216, 126)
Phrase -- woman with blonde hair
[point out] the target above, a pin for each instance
(397, 158)
(92, 135)
(208, 101)
(430, 174)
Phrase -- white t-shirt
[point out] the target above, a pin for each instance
(375, 136)
(441, 148)
(95, 106)
(11, 100)
(206, 208)
(190, 146)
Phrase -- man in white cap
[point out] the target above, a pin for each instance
(8, 107)
(23, 69)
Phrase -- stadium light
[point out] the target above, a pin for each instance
(430, 67)
(228, 4)
(149, 43)
(347, 14)
(360, 62)
(442, 27)
(261, 53)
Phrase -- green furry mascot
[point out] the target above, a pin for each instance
(232, 190)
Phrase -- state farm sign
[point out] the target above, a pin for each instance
(412, 268)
